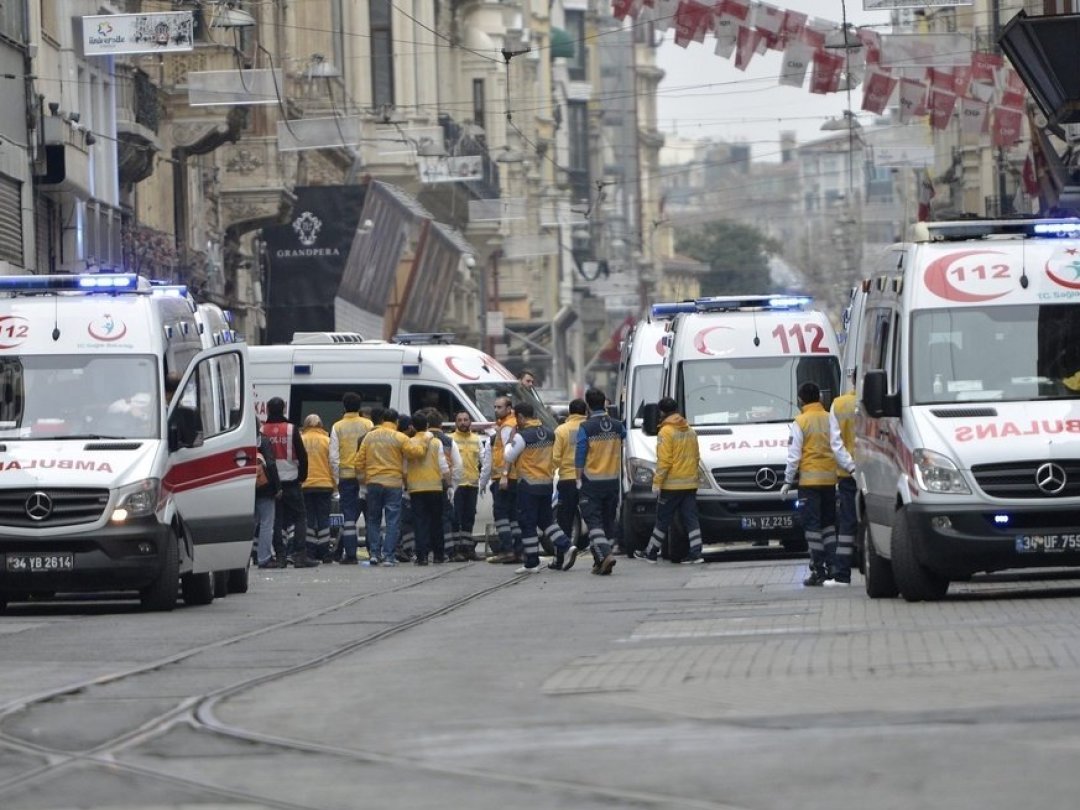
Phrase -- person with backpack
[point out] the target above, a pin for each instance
(267, 494)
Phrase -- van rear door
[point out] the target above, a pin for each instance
(211, 473)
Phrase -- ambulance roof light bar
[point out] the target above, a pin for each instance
(734, 303)
(90, 282)
(170, 290)
(982, 228)
(423, 338)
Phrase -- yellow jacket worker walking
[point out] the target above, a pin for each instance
(675, 482)
(810, 455)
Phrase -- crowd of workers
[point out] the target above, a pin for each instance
(416, 487)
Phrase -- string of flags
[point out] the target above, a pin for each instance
(934, 76)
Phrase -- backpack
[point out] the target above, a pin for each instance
(261, 478)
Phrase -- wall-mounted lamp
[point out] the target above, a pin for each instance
(469, 260)
(74, 117)
(90, 139)
(54, 108)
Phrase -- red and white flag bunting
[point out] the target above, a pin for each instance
(984, 91)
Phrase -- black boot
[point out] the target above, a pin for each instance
(816, 578)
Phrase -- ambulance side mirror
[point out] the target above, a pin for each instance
(184, 429)
(875, 395)
(650, 419)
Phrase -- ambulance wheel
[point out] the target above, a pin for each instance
(197, 589)
(880, 582)
(221, 584)
(161, 593)
(238, 580)
(915, 582)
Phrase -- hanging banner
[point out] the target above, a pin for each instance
(745, 46)
(941, 107)
(1006, 127)
(885, 5)
(912, 100)
(109, 34)
(925, 50)
(443, 169)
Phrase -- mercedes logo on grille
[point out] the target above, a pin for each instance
(38, 506)
(1050, 478)
(766, 478)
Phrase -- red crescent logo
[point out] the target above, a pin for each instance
(661, 349)
(1072, 285)
(107, 338)
(936, 278)
(452, 363)
(699, 339)
(14, 329)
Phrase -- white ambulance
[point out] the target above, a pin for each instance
(314, 371)
(104, 485)
(968, 436)
(734, 365)
(640, 370)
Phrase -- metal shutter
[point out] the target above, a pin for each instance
(11, 236)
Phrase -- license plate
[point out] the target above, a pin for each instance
(769, 522)
(40, 562)
(1047, 543)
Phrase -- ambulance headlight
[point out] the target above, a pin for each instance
(937, 473)
(136, 500)
(704, 478)
(641, 472)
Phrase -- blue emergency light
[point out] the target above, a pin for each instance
(1063, 228)
(105, 282)
(170, 290)
(672, 309)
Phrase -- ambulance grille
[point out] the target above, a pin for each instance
(1017, 479)
(745, 479)
(62, 507)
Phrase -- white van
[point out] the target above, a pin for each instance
(968, 435)
(103, 484)
(734, 365)
(640, 369)
(312, 373)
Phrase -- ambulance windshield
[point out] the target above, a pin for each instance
(51, 396)
(1020, 353)
(752, 390)
(484, 395)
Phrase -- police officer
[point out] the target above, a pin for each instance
(598, 460)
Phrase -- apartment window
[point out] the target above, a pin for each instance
(479, 113)
(577, 115)
(50, 18)
(337, 36)
(578, 64)
(382, 54)
(13, 21)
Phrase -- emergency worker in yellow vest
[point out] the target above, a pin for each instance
(443, 541)
(562, 456)
(345, 437)
(317, 488)
(531, 450)
(810, 456)
(842, 441)
(675, 482)
(598, 459)
(427, 473)
(504, 498)
(475, 476)
(379, 463)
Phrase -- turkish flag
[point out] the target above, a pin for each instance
(871, 41)
(877, 90)
(941, 107)
(826, 75)
(691, 21)
(1006, 127)
(621, 9)
(940, 79)
(739, 9)
(1029, 178)
(961, 80)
